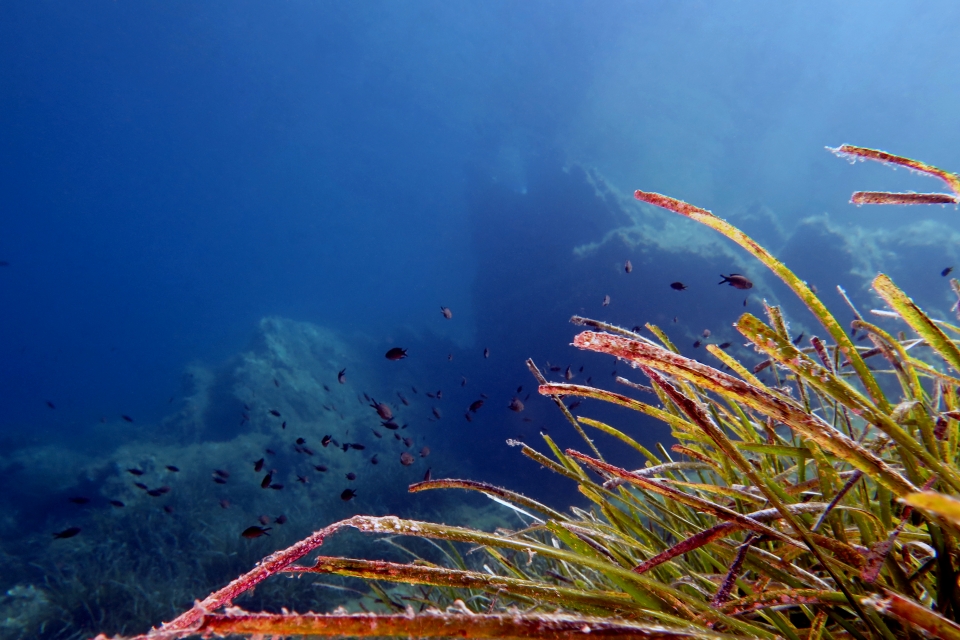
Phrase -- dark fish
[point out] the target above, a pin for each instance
(678, 286)
(520, 388)
(436, 413)
(568, 374)
(736, 281)
(946, 272)
(281, 519)
(159, 491)
(723, 345)
(322, 468)
(357, 446)
(326, 388)
(797, 340)
(486, 353)
(463, 381)
(696, 344)
(219, 480)
(79, 500)
(376, 433)
(374, 460)
(390, 424)
(326, 440)
(606, 301)
(706, 333)
(275, 383)
(439, 394)
(264, 519)
(449, 357)
(274, 413)
(135, 471)
(383, 410)
(628, 266)
(574, 404)
(406, 459)
(446, 312)
(744, 302)
(171, 467)
(224, 504)
(255, 532)
(301, 441)
(276, 487)
(414, 389)
(426, 476)
(408, 441)
(346, 446)
(347, 494)
(555, 368)
(127, 418)
(424, 452)
(222, 473)
(284, 425)
(431, 395)
(476, 404)
(468, 417)
(351, 476)
(306, 450)
(51, 405)
(396, 354)
(167, 508)
(267, 479)
(140, 485)
(117, 503)
(270, 452)
(515, 405)
(341, 377)
(258, 465)
(402, 399)
(302, 479)
(66, 533)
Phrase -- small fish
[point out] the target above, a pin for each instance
(127, 418)
(723, 345)
(357, 446)
(696, 344)
(424, 452)
(140, 485)
(224, 504)
(476, 404)
(797, 340)
(449, 357)
(281, 519)
(520, 388)
(606, 301)
(274, 413)
(301, 441)
(264, 519)
(79, 500)
(628, 266)
(515, 405)
(374, 460)
(173, 468)
(135, 471)
(568, 374)
(222, 473)
(383, 410)
(284, 425)
(706, 333)
(574, 405)
(486, 353)
(51, 405)
(414, 389)
(426, 476)
(159, 491)
(219, 480)
(322, 468)
(446, 312)
(302, 479)
(270, 452)
(677, 286)
(555, 368)
(326, 440)
(66, 533)
(276, 487)
(744, 302)
(326, 388)
(431, 395)
(436, 413)
(275, 383)
(946, 272)
(396, 354)
(402, 399)
(254, 532)
(347, 494)
(351, 476)
(736, 281)
(267, 479)
(406, 459)
(407, 441)
(390, 424)
(341, 377)
(346, 446)
(463, 381)
(376, 433)
(439, 394)
(117, 503)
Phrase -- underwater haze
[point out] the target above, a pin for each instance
(210, 211)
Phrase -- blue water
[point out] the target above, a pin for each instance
(173, 172)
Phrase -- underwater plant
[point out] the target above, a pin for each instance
(824, 503)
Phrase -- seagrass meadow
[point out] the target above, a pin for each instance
(821, 503)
